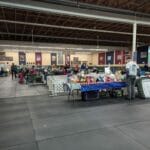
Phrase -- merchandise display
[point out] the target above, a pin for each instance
(91, 78)
(90, 81)
(96, 82)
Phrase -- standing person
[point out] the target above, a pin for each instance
(132, 71)
(15, 71)
(12, 70)
(83, 66)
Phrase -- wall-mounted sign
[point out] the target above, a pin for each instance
(22, 58)
(118, 57)
(4, 58)
(67, 59)
(142, 54)
(60, 58)
(2, 53)
(38, 58)
(53, 59)
(149, 55)
(101, 58)
(110, 58)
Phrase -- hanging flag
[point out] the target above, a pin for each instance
(142, 54)
(110, 58)
(148, 56)
(53, 59)
(60, 58)
(101, 58)
(67, 59)
(38, 58)
(119, 57)
(22, 58)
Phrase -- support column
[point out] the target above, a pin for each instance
(134, 40)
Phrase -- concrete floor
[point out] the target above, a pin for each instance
(41, 122)
(11, 88)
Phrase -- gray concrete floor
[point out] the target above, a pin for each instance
(41, 122)
(11, 88)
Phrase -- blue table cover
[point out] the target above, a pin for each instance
(102, 86)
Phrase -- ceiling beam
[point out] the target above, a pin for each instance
(69, 28)
(72, 11)
(68, 38)
(63, 27)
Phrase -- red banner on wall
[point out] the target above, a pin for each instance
(101, 58)
(119, 57)
(38, 58)
(67, 59)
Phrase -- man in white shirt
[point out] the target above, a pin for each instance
(132, 71)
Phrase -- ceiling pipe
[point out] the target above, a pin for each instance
(56, 9)
(71, 28)
(63, 27)
(67, 38)
(42, 44)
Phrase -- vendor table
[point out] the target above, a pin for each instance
(91, 91)
(87, 90)
(102, 86)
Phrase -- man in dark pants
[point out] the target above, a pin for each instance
(13, 71)
(132, 71)
(130, 87)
